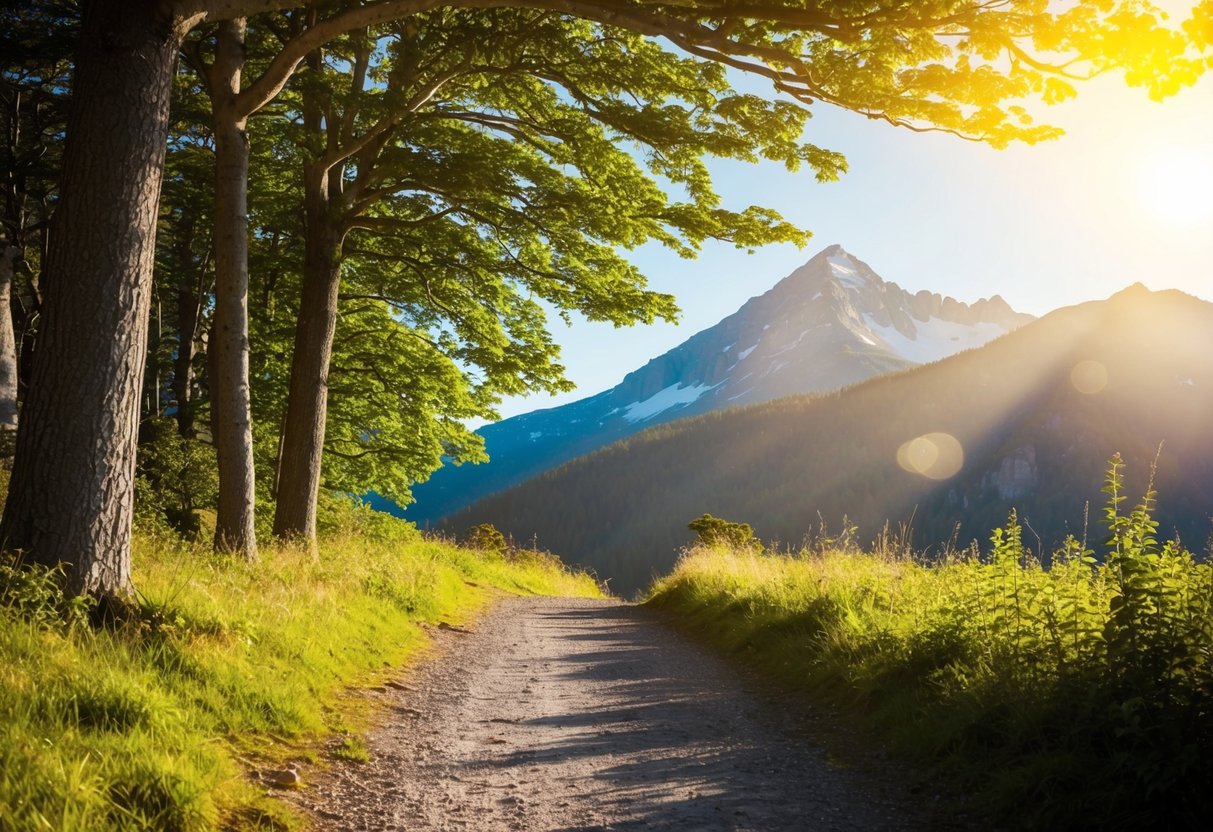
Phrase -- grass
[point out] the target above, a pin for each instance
(1077, 696)
(153, 723)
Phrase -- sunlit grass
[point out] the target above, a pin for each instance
(1077, 696)
(152, 723)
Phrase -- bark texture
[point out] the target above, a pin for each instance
(234, 527)
(8, 342)
(72, 488)
(307, 401)
(189, 310)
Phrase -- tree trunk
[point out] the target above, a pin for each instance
(307, 402)
(8, 343)
(72, 488)
(189, 308)
(234, 528)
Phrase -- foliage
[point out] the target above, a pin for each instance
(485, 537)
(1070, 697)
(177, 476)
(490, 167)
(148, 723)
(34, 594)
(713, 531)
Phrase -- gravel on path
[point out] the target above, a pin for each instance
(577, 715)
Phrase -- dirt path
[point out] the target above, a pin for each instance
(564, 714)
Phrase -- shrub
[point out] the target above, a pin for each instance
(714, 531)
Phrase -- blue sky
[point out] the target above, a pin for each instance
(1125, 196)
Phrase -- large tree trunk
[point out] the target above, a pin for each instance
(234, 528)
(72, 488)
(307, 402)
(8, 342)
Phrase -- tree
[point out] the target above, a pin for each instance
(500, 167)
(33, 87)
(929, 66)
(713, 531)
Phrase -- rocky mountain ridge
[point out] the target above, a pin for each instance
(830, 323)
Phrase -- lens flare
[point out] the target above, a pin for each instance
(935, 456)
(1089, 377)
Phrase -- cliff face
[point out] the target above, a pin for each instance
(830, 323)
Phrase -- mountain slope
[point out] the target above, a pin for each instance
(830, 323)
(1034, 415)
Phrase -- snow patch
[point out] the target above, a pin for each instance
(744, 354)
(936, 338)
(845, 270)
(673, 396)
(775, 367)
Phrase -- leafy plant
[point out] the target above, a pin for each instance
(713, 531)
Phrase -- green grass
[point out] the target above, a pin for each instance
(1077, 696)
(153, 723)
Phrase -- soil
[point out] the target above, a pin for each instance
(576, 715)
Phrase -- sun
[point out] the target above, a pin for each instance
(1176, 185)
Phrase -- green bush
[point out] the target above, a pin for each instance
(713, 531)
(176, 478)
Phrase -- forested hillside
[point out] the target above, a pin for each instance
(1034, 416)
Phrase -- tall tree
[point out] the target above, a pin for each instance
(8, 342)
(70, 497)
(941, 69)
(36, 45)
(498, 134)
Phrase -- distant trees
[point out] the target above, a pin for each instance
(713, 531)
(551, 111)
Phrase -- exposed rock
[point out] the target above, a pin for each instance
(286, 778)
(1017, 475)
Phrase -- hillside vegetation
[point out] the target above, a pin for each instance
(1031, 431)
(1073, 697)
(153, 720)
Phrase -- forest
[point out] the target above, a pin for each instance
(279, 245)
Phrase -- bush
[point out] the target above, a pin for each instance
(176, 478)
(714, 531)
(486, 538)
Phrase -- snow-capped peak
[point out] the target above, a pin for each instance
(844, 269)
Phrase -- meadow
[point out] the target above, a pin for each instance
(1070, 694)
(154, 719)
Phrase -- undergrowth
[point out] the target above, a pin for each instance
(153, 721)
(1075, 696)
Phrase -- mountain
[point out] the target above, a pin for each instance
(1029, 421)
(830, 323)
